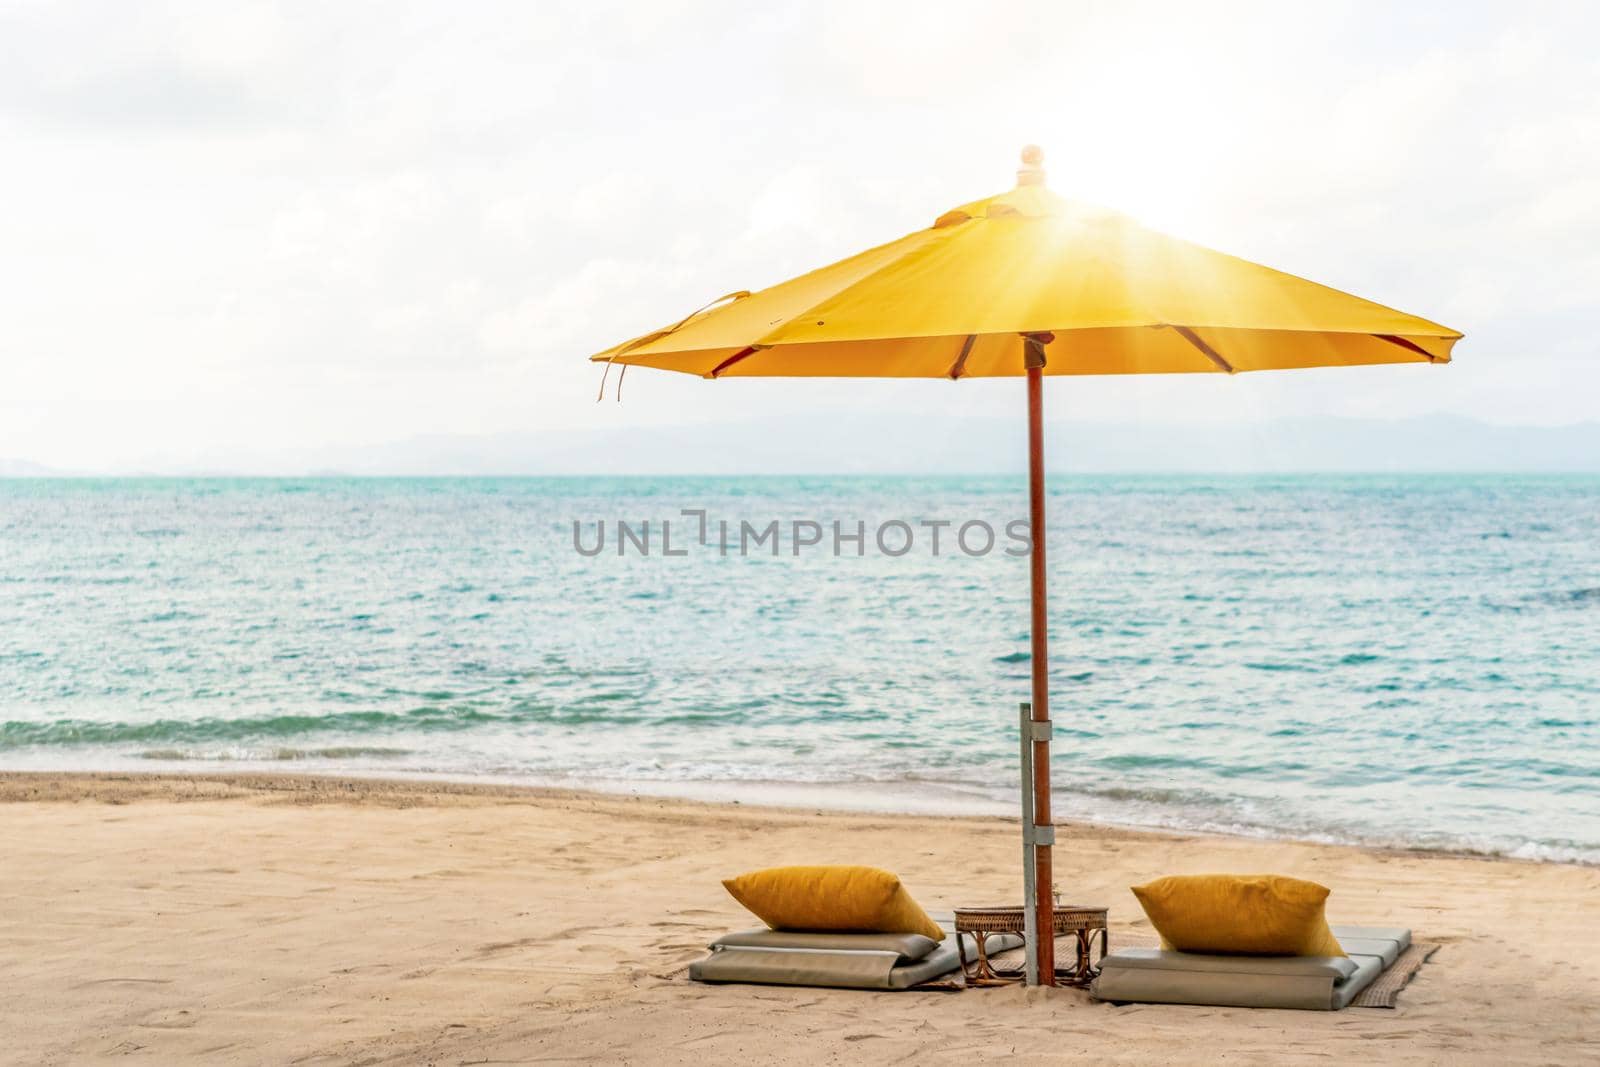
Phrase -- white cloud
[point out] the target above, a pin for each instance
(221, 227)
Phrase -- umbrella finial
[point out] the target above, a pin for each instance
(1032, 172)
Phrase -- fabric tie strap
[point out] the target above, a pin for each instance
(639, 342)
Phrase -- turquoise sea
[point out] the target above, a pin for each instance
(1410, 660)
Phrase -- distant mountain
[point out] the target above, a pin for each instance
(22, 468)
(857, 443)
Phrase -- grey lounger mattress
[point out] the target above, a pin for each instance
(1309, 982)
(839, 961)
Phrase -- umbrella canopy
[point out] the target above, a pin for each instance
(950, 300)
(1027, 283)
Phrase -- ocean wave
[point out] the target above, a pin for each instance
(200, 731)
(332, 752)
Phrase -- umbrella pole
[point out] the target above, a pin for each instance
(1042, 833)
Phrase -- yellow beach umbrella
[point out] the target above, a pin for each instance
(1028, 284)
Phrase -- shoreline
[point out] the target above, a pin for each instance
(274, 917)
(781, 797)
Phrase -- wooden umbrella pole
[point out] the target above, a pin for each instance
(1043, 833)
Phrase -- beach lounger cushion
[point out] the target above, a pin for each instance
(1327, 983)
(907, 947)
(841, 898)
(1385, 942)
(1251, 914)
(859, 967)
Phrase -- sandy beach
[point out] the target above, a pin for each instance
(305, 920)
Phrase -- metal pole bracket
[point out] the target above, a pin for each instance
(1029, 853)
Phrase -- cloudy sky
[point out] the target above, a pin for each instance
(230, 228)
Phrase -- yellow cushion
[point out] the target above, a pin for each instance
(1243, 914)
(862, 899)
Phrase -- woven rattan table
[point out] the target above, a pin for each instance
(1082, 922)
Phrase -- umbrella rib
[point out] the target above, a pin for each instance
(744, 353)
(959, 367)
(1206, 350)
(1403, 343)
